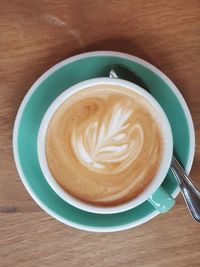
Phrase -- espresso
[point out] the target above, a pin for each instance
(104, 145)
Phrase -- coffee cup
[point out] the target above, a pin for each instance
(105, 146)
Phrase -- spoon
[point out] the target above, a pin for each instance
(190, 193)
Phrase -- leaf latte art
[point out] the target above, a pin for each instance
(108, 143)
(104, 145)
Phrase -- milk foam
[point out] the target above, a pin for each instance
(104, 145)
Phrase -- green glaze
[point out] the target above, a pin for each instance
(161, 201)
(39, 101)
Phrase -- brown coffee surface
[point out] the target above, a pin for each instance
(104, 145)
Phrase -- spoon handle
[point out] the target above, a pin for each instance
(190, 193)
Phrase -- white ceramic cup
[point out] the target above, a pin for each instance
(154, 193)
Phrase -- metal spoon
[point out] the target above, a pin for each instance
(190, 193)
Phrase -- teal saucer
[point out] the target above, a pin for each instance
(47, 88)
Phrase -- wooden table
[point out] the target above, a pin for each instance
(34, 35)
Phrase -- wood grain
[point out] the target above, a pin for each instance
(34, 35)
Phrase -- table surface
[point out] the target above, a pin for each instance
(34, 35)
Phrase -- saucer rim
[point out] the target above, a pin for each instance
(48, 73)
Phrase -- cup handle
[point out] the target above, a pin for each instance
(161, 200)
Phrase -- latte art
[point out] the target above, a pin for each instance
(104, 145)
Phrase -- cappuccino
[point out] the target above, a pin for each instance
(104, 144)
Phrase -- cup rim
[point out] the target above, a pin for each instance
(154, 184)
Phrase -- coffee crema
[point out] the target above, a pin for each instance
(104, 145)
